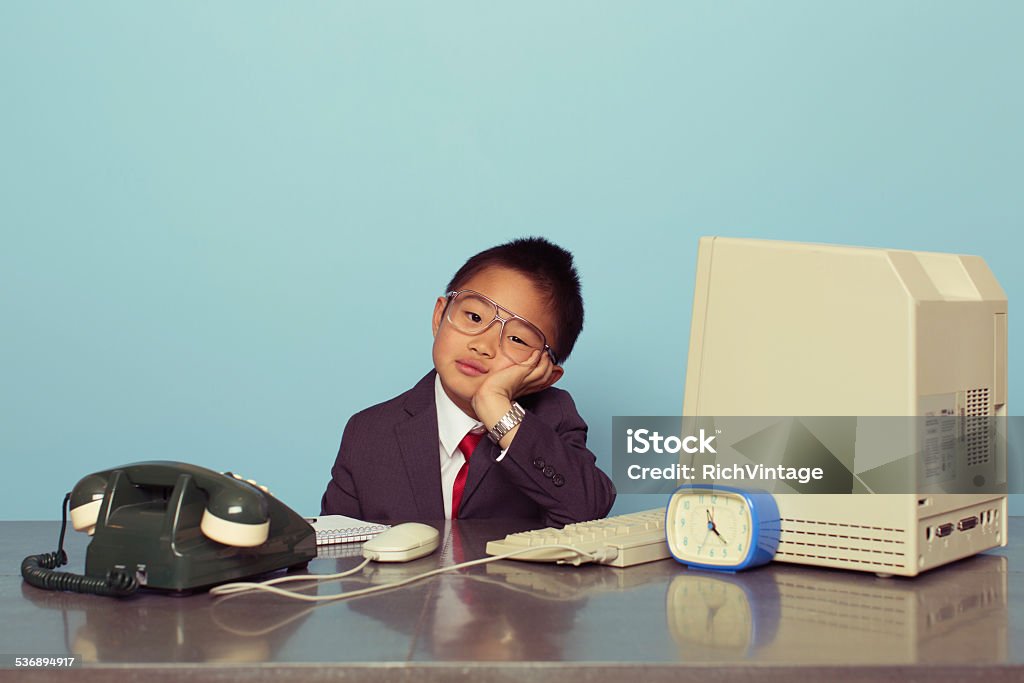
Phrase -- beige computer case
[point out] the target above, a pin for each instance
(782, 328)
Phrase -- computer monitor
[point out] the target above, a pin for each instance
(791, 329)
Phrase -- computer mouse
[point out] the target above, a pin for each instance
(402, 542)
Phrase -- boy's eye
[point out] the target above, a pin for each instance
(474, 317)
(516, 340)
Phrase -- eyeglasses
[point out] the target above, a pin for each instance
(473, 313)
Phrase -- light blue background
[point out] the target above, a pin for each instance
(224, 224)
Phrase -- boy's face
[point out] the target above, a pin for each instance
(465, 361)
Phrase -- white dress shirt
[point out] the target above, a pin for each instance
(452, 425)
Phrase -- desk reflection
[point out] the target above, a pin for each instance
(501, 611)
(658, 612)
(171, 629)
(956, 614)
(777, 614)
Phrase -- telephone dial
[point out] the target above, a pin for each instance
(173, 526)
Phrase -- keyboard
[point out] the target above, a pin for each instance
(625, 540)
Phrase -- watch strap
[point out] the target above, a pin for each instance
(507, 422)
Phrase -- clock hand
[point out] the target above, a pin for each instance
(712, 527)
(702, 543)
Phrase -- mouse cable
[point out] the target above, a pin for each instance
(242, 587)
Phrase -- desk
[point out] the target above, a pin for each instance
(522, 621)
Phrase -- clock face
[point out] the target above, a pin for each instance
(709, 527)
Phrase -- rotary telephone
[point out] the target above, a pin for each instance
(173, 526)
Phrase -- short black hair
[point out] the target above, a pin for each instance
(550, 268)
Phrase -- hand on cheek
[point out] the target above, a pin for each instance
(539, 376)
(519, 379)
(494, 397)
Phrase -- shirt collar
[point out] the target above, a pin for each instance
(452, 423)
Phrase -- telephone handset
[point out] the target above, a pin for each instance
(176, 526)
(235, 512)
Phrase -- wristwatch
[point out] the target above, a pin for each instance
(509, 420)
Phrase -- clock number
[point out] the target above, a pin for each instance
(714, 500)
(711, 553)
(686, 540)
(739, 548)
(686, 505)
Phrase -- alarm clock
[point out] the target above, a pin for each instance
(721, 527)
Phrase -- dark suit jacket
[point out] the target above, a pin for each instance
(388, 465)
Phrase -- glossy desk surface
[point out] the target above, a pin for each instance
(516, 620)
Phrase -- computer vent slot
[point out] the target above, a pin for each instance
(870, 548)
(977, 427)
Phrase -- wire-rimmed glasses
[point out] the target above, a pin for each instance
(473, 313)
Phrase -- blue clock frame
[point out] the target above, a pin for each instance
(765, 525)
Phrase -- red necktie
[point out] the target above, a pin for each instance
(467, 446)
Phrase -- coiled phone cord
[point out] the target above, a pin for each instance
(38, 571)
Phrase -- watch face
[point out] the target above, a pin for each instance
(709, 527)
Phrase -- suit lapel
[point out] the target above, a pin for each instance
(418, 442)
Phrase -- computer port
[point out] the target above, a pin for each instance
(944, 530)
(967, 523)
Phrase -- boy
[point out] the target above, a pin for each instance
(484, 434)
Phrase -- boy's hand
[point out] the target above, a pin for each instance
(494, 397)
(520, 379)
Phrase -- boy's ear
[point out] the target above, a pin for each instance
(556, 374)
(438, 312)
